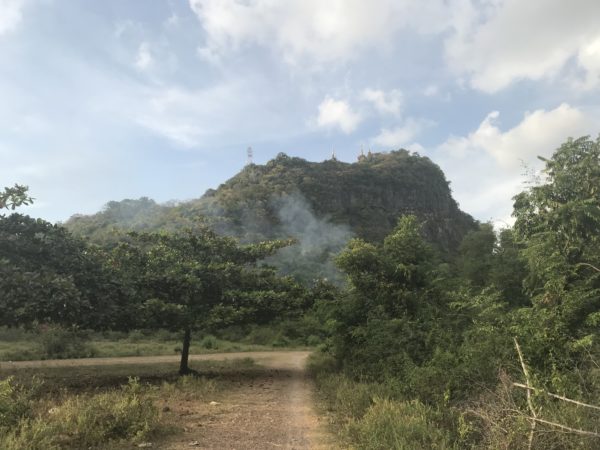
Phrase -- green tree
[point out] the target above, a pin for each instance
(195, 279)
(476, 253)
(558, 223)
(48, 276)
(384, 324)
(15, 196)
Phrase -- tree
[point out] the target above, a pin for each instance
(558, 223)
(48, 276)
(191, 280)
(476, 253)
(12, 197)
(384, 323)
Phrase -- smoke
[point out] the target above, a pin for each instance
(284, 216)
(318, 241)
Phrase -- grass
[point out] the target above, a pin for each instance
(374, 416)
(21, 345)
(83, 378)
(103, 407)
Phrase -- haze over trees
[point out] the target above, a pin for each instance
(321, 205)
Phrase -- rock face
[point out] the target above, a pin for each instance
(367, 196)
(364, 198)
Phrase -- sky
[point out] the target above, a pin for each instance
(112, 99)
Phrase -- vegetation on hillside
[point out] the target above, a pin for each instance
(499, 349)
(320, 205)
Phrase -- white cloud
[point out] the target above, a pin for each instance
(486, 166)
(539, 133)
(401, 135)
(333, 30)
(508, 40)
(384, 103)
(492, 43)
(144, 59)
(589, 59)
(10, 15)
(431, 90)
(337, 114)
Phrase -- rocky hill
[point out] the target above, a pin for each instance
(321, 204)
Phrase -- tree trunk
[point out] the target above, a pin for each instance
(185, 353)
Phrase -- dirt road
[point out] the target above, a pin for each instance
(272, 409)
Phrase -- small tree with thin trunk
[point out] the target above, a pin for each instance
(185, 280)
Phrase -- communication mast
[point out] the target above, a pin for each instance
(250, 154)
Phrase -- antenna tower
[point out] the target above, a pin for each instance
(250, 154)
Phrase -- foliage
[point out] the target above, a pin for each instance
(47, 275)
(434, 334)
(558, 223)
(58, 343)
(15, 196)
(389, 424)
(199, 280)
(321, 205)
(385, 323)
(374, 416)
(15, 402)
(85, 421)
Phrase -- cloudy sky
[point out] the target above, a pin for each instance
(112, 99)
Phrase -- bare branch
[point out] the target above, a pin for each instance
(529, 399)
(560, 397)
(589, 265)
(565, 428)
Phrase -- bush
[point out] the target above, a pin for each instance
(14, 334)
(101, 418)
(84, 421)
(503, 420)
(36, 434)
(58, 343)
(136, 336)
(389, 424)
(209, 342)
(190, 387)
(263, 336)
(166, 336)
(15, 402)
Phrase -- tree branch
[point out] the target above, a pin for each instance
(560, 397)
(529, 399)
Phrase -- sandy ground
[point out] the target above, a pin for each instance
(272, 409)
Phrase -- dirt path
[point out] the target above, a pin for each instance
(270, 409)
(273, 410)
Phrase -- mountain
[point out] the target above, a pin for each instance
(321, 204)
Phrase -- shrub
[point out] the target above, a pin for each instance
(15, 402)
(84, 421)
(263, 336)
(136, 336)
(209, 342)
(58, 343)
(389, 424)
(352, 399)
(190, 387)
(125, 414)
(32, 434)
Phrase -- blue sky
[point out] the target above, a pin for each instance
(112, 99)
